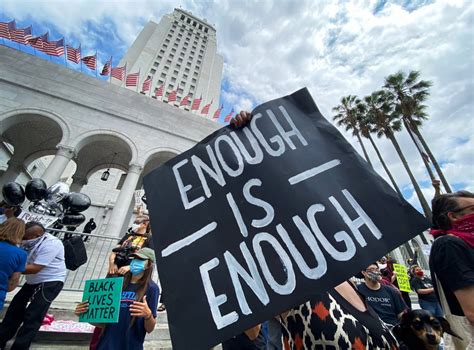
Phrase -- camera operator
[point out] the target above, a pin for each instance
(139, 237)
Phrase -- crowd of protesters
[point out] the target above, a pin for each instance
(351, 315)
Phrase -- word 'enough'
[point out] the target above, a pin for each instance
(217, 163)
(312, 236)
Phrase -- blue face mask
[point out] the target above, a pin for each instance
(137, 266)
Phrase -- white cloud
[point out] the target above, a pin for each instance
(272, 48)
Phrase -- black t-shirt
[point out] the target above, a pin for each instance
(452, 261)
(423, 283)
(242, 342)
(137, 241)
(385, 301)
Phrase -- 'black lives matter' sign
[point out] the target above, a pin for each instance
(252, 222)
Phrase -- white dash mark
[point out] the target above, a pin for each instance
(174, 247)
(313, 172)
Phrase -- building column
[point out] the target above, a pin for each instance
(121, 207)
(15, 168)
(77, 184)
(55, 169)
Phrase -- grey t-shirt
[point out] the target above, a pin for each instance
(50, 254)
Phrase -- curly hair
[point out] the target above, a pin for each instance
(444, 204)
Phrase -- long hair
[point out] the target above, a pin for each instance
(12, 230)
(142, 285)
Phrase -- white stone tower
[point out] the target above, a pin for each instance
(180, 52)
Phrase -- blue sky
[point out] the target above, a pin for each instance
(335, 48)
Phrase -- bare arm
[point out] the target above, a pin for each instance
(113, 269)
(465, 298)
(32, 269)
(253, 332)
(13, 281)
(425, 291)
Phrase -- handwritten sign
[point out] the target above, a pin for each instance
(403, 279)
(45, 220)
(104, 300)
(255, 221)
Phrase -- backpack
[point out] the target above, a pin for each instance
(75, 254)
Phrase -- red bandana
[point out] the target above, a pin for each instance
(463, 228)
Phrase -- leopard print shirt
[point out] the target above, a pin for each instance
(327, 324)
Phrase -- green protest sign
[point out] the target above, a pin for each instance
(104, 300)
(402, 278)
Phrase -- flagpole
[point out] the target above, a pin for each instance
(96, 63)
(80, 55)
(110, 72)
(138, 80)
(65, 52)
(151, 86)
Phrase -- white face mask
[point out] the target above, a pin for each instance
(382, 266)
(136, 227)
(3, 218)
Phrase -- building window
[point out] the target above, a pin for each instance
(171, 56)
(200, 57)
(185, 44)
(194, 48)
(191, 88)
(180, 60)
(167, 41)
(162, 52)
(180, 91)
(188, 64)
(165, 68)
(170, 86)
(195, 74)
(186, 70)
(168, 61)
(185, 76)
(160, 82)
(181, 54)
(180, 35)
(201, 51)
(163, 75)
(188, 20)
(200, 27)
(177, 41)
(182, 17)
(165, 46)
(194, 23)
(169, 35)
(155, 64)
(173, 50)
(195, 42)
(198, 67)
(159, 58)
(181, 30)
(152, 71)
(178, 65)
(193, 81)
(175, 72)
(173, 79)
(205, 30)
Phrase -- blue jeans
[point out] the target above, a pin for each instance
(432, 306)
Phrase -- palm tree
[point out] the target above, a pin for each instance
(385, 123)
(410, 92)
(346, 115)
(365, 130)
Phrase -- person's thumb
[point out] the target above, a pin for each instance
(144, 298)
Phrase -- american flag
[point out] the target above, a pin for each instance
(146, 84)
(132, 79)
(54, 48)
(184, 101)
(217, 113)
(5, 28)
(205, 109)
(21, 35)
(196, 103)
(73, 55)
(228, 117)
(38, 41)
(106, 68)
(172, 96)
(160, 90)
(90, 61)
(118, 73)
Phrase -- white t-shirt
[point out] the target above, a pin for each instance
(50, 254)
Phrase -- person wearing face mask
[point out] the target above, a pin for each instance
(423, 286)
(452, 259)
(45, 274)
(139, 237)
(137, 307)
(12, 258)
(385, 300)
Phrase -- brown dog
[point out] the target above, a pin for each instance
(419, 329)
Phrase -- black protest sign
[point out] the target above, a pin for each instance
(252, 222)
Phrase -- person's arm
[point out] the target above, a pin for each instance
(113, 268)
(465, 298)
(425, 291)
(32, 269)
(82, 308)
(141, 309)
(253, 332)
(13, 281)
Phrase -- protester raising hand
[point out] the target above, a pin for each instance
(140, 309)
(241, 119)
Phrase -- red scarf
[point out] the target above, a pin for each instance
(462, 228)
